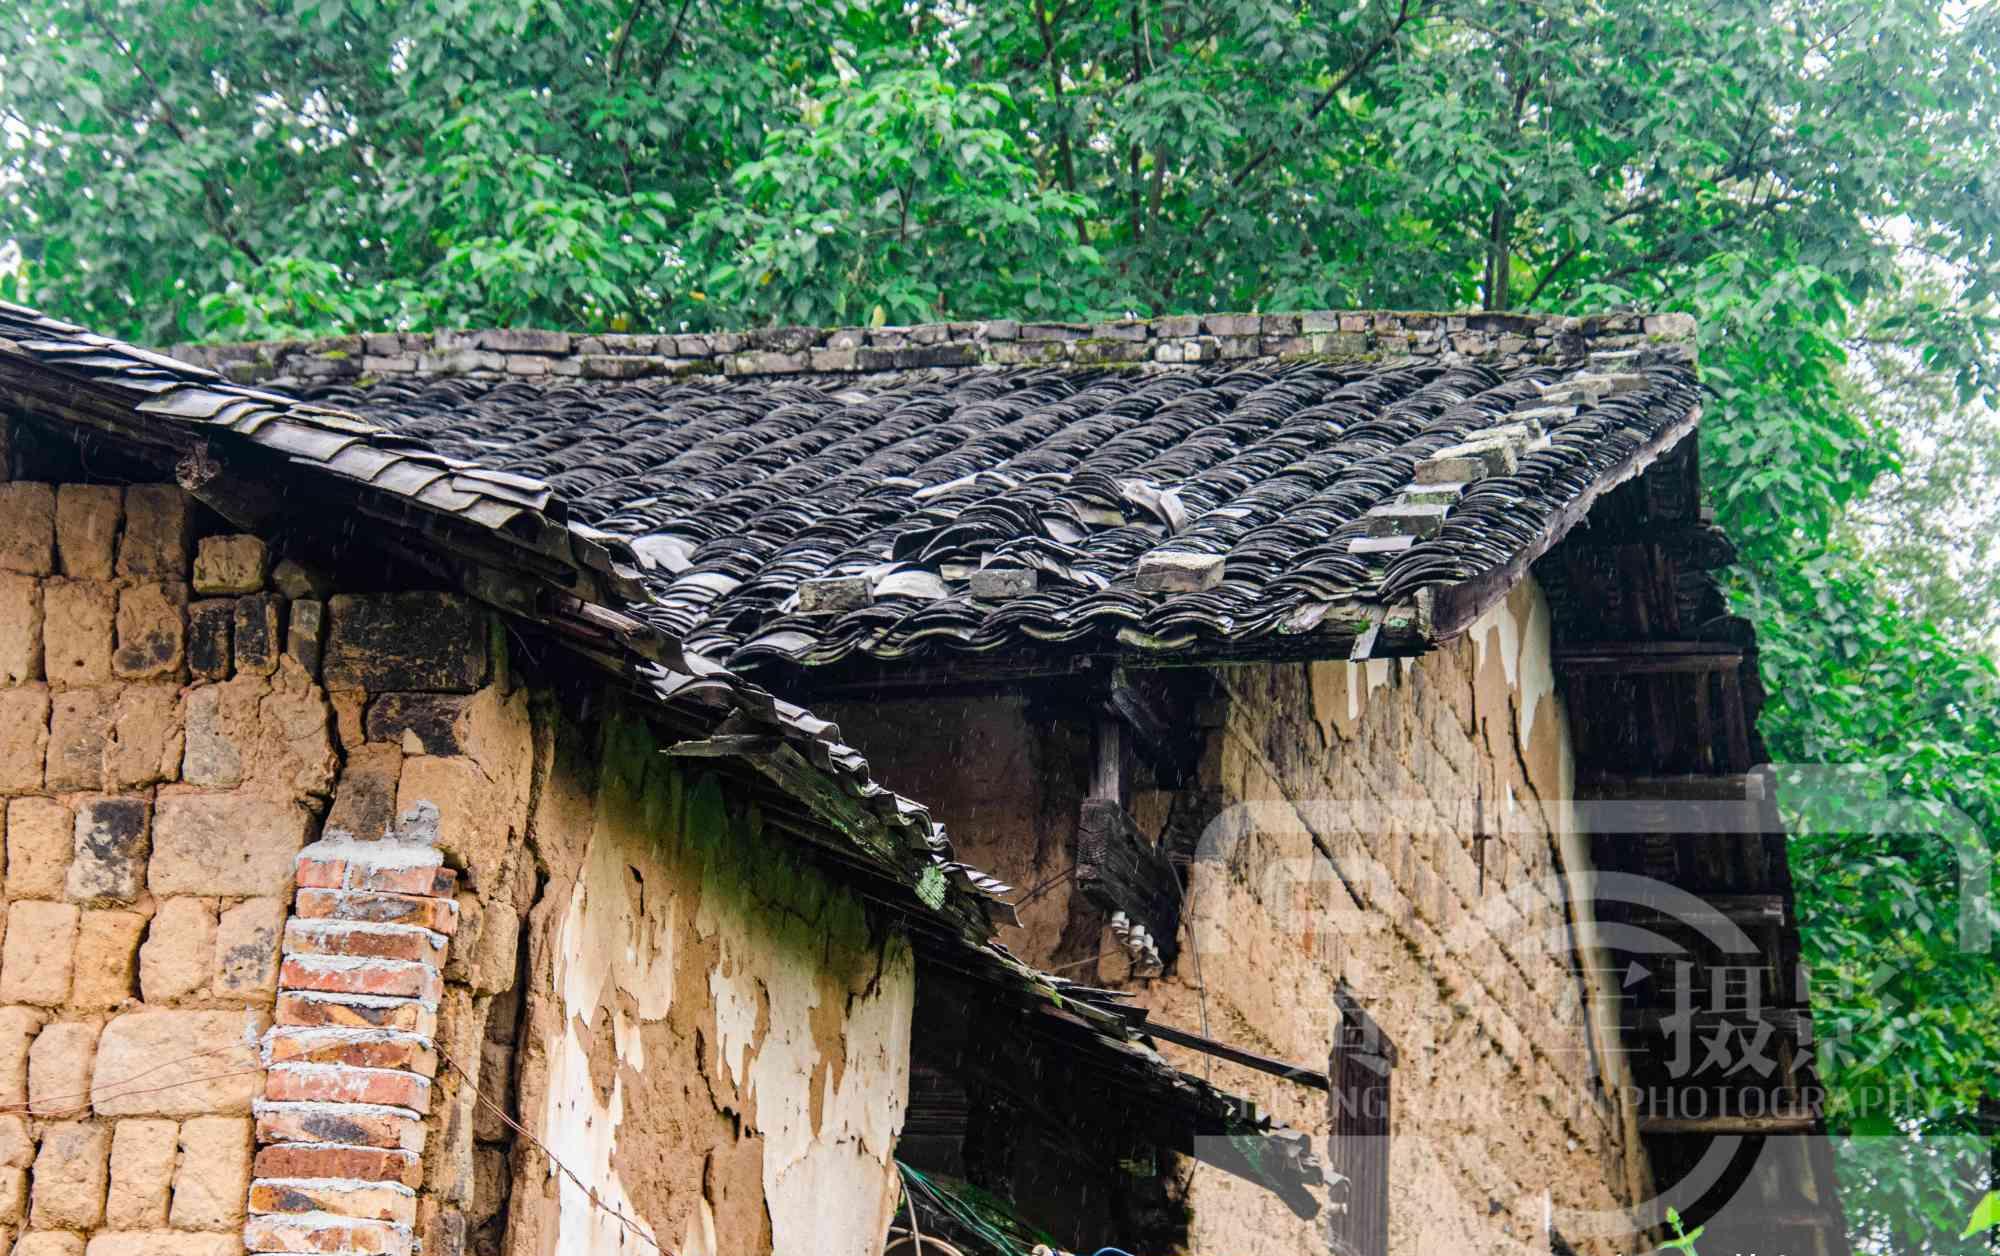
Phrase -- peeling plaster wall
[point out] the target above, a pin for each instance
(718, 1038)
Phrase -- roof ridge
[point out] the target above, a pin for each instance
(1164, 342)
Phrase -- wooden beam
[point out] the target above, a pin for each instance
(1783, 1122)
(1734, 787)
(1237, 1055)
(1714, 660)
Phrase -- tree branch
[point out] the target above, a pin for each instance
(624, 37)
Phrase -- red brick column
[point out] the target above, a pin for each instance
(340, 1129)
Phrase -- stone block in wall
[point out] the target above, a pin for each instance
(209, 625)
(146, 737)
(179, 1063)
(18, 1027)
(364, 799)
(59, 1067)
(270, 730)
(36, 959)
(298, 580)
(17, 1142)
(214, 1173)
(234, 563)
(27, 527)
(358, 1164)
(13, 1200)
(312, 1234)
(178, 957)
(318, 1124)
(107, 958)
(79, 621)
(159, 528)
(50, 1243)
(72, 1173)
(246, 949)
(24, 737)
(405, 641)
(41, 833)
(113, 839)
(238, 845)
(163, 1243)
(313, 1010)
(317, 1083)
(422, 723)
(79, 728)
(305, 634)
(143, 1151)
(496, 1083)
(255, 634)
(20, 629)
(364, 1201)
(87, 517)
(152, 632)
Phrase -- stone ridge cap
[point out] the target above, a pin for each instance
(1349, 336)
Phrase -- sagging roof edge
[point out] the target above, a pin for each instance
(520, 553)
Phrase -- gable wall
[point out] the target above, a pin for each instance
(702, 1029)
(1343, 798)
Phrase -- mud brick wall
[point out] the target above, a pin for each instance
(1334, 820)
(313, 902)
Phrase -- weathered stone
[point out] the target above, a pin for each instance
(40, 836)
(496, 1082)
(257, 643)
(145, 744)
(246, 949)
(18, 1027)
(107, 954)
(158, 528)
(422, 723)
(152, 631)
(236, 563)
(27, 527)
(239, 845)
(297, 580)
(305, 630)
(17, 1143)
(59, 1069)
(79, 619)
(174, 1063)
(163, 1243)
(49, 1243)
(142, 1173)
(87, 529)
(79, 728)
(1179, 571)
(214, 1175)
(35, 962)
(270, 730)
(71, 1174)
(998, 584)
(20, 629)
(24, 737)
(405, 641)
(481, 795)
(209, 624)
(364, 800)
(113, 839)
(178, 956)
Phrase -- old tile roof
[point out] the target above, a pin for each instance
(522, 545)
(1339, 491)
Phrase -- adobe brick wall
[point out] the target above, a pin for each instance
(233, 1017)
(1300, 888)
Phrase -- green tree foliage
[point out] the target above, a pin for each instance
(232, 168)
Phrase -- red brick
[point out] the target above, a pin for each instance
(378, 1202)
(361, 1049)
(311, 1083)
(338, 1123)
(365, 1164)
(323, 874)
(339, 937)
(288, 1234)
(430, 882)
(335, 974)
(299, 1007)
(439, 914)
